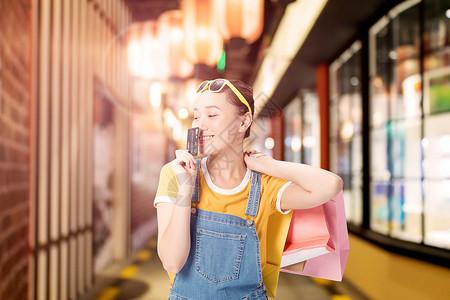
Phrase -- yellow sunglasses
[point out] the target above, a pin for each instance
(217, 85)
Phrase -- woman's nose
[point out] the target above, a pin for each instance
(201, 123)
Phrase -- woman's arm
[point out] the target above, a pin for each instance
(311, 186)
(174, 219)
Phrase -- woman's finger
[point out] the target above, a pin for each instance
(188, 159)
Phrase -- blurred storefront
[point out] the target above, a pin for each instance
(376, 113)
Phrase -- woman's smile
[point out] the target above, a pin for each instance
(205, 138)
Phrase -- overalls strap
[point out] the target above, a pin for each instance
(254, 195)
(195, 197)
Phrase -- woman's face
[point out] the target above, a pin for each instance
(219, 122)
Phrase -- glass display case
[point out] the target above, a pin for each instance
(346, 128)
(311, 130)
(436, 135)
(293, 131)
(302, 129)
(408, 125)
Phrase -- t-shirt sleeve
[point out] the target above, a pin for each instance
(167, 187)
(274, 189)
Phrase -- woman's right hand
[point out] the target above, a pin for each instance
(184, 162)
(174, 220)
(185, 168)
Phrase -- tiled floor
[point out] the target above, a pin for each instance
(145, 279)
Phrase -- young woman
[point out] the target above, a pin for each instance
(213, 213)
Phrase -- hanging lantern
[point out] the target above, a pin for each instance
(240, 18)
(144, 51)
(203, 43)
(171, 37)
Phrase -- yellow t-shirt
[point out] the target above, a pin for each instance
(229, 201)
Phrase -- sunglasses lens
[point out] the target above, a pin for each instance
(202, 86)
(216, 85)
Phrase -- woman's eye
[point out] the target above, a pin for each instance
(211, 116)
(196, 118)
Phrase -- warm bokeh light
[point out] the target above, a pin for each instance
(133, 55)
(171, 37)
(183, 113)
(173, 123)
(144, 53)
(269, 143)
(346, 131)
(377, 119)
(309, 141)
(240, 18)
(155, 94)
(296, 144)
(203, 42)
(425, 143)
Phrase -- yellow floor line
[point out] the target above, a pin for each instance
(129, 272)
(108, 294)
(323, 282)
(144, 255)
(340, 297)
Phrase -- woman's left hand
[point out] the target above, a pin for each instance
(256, 161)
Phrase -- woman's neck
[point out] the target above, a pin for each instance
(227, 170)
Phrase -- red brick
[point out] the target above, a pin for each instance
(6, 222)
(14, 148)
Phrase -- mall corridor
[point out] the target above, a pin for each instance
(144, 278)
(97, 95)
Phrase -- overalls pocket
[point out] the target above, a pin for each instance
(218, 255)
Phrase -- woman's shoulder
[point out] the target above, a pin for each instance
(167, 169)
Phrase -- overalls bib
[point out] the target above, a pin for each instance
(224, 259)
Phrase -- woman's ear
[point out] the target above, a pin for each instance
(246, 122)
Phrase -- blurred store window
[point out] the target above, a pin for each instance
(409, 116)
(395, 124)
(311, 129)
(302, 129)
(345, 128)
(436, 120)
(292, 131)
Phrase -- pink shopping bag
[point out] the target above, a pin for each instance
(308, 236)
(330, 265)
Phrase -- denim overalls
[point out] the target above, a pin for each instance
(224, 259)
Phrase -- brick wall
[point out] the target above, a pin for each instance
(14, 148)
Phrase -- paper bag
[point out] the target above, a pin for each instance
(308, 236)
(331, 266)
(277, 229)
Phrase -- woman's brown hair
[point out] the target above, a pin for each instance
(247, 92)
